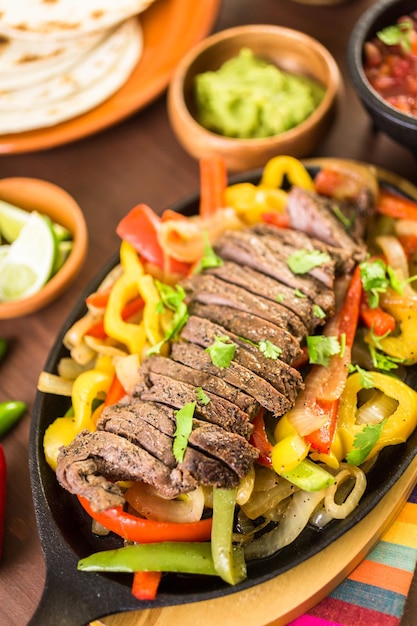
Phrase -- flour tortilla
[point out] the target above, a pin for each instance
(91, 82)
(24, 63)
(62, 19)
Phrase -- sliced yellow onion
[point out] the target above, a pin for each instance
(127, 370)
(146, 501)
(376, 409)
(396, 258)
(341, 511)
(51, 383)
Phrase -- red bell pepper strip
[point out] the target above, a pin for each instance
(378, 320)
(396, 206)
(115, 393)
(98, 299)
(409, 244)
(140, 228)
(169, 215)
(141, 530)
(145, 585)
(327, 182)
(131, 308)
(3, 478)
(277, 219)
(260, 440)
(213, 181)
(320, 440)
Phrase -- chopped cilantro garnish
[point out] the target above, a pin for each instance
(363, 443)
(303, 261)
(347, 222)
(269, 349)
(382, 361)
(397, 34)
(184, 419)
(376, 278)
(321, 348)
(221, 351)
(173, 300)
(202, 397)
(365, 378)
(209, 258)
(280, 298)
(299, 294)
(318, 312)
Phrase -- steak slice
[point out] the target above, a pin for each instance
(247, 248)
(315, 215)
(282, 376)
(218, 411)
(269, 288)
(238, 376)
(93, 461)
(249, 327)
(208, 289)
(204, 470)
(160, 416)
(197, 378)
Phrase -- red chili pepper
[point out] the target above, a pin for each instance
(277, 219)
(131, 308)
(3, 477)
(141, 530)
(140, 228)
(145, 585)
(260, 440)
(213, 181)
(395, 206)
(376, 319)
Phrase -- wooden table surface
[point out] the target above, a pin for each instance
(140, 160)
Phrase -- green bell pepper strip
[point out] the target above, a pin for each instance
(169, 556)
(309, 476)
(229, 560)
(10, 413)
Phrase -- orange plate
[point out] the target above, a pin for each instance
(170, 29)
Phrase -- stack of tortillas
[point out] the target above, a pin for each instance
(61, 58)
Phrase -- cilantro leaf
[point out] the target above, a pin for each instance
(172, 298)
(321, 348)
(397, 34)
(184, 419)
(209, 258)
(365, 378)
(318, 312)
(269, 349)
(374, 280)
(382, 361)
(346, 221)
(302, 261)
(221, 351)
(299, 294)
(280, 298)
(363, 443)
(202, 397)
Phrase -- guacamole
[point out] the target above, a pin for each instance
(249, 97)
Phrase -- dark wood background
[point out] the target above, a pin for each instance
(140, 160)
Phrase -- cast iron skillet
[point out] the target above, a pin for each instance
(73, 598)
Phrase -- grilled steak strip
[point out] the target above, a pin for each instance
(158, 415)
(208, 289)
(236, 375)
(269, 288)
(204, 470)
(282, 376)
(249, 327)
(218, 411)
(198, 378)
(247, 248)
(315, 216)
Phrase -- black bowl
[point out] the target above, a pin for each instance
(399, 126)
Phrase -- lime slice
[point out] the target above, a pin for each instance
(61, 233)
(12, 220)
(30, 259)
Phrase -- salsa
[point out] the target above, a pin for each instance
(390, 63)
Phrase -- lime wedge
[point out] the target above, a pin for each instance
(12, 220)
(61, 233)
(63, 252)
(30, 259)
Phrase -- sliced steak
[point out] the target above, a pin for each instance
(269, 288)
(238, 376)
(249, 327)
(209, 289)
(131, 408)
(282, 376)
(219, 411)
(315, 215)
(204, 470)
(249, 249)
(93, 461)
(198, 378)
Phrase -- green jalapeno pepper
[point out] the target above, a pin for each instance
(10, 412)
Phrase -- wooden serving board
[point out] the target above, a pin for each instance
(286, 597)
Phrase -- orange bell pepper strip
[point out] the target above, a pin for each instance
(260, 440)
(396, 206)
(140, 530)
(145, 585)
(376, 319)
(213, 181)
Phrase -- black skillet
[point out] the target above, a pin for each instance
(73, 598)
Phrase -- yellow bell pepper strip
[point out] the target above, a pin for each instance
(290, 448)
(395, 429)
(213, 181)
(251, 202)
(137, 529)
(88, 386)
(184, 557)
(280, 167)
(10, 413)
(229, 561)
(151, 318)
(131, 308)
(404, 345)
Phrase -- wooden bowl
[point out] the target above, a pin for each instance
(291, 51)
(33, 194)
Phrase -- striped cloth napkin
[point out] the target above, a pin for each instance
(376, 591)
